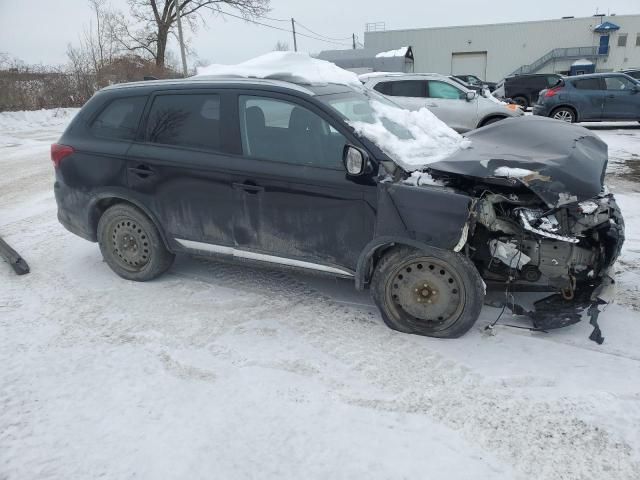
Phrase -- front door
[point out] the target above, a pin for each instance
(182, 167)
(450, 105)
(295, 200)
(622, 100)
(604, 45)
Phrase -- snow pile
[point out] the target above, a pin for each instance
(298, 67)
(509, 172)
(421, 138)
(422, 178)
(29, 120)
(400, 52)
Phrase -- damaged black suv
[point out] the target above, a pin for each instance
(274, 171)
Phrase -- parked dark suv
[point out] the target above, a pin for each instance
(273, 171)
(592, 98)
(524, 89)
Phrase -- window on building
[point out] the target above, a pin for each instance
(587, 84)
(638, 40)
(443, 90)
(285, 132)
(185, 120)
(119, 120)
(622, 40)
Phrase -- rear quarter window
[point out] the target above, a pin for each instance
(119, 119)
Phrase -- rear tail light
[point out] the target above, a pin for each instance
(59, 153)
(552, 92)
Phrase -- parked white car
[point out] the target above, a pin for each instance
(460, 108)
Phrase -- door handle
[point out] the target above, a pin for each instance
(248, 187)
(142, 171)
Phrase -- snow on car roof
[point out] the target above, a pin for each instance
(295, 67)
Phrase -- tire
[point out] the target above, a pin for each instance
(492, 120)
(564, 114)
(522, 101)
(131, 244)
(409, 285)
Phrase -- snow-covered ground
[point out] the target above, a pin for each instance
(231, 371)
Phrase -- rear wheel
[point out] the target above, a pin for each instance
(131, 244)
(429, 292)
(522, 101)
(565, 114)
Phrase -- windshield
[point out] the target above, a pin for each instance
(412, 139)
(356, 107)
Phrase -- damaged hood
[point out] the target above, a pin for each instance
(561, 163)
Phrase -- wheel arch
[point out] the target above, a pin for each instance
(491, 116)
(374, 250)
(101, 202)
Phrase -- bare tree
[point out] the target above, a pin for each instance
(281, 47)
(155, 20)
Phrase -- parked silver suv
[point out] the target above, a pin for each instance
(460, 108)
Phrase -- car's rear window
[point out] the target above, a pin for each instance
(187, 120)
(587, 84)
(119, 119)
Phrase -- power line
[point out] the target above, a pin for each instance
(320, 35)
(282, 29)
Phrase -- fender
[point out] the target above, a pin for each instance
(122, 194)
(419, 217)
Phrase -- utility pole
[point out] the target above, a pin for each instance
(293, 28)
(181, 39)
(353, 35)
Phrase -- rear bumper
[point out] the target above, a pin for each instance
(541, 110)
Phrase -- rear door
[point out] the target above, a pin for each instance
(295, 200)
(587, 96)
(181, 165)
(450, 105)
(622, 100)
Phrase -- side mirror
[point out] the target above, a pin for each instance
(355, 160)
(470, 96)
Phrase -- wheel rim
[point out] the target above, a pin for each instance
(426, 292)
(130, 243)
(564, 115)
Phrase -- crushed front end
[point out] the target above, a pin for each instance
(542, 220)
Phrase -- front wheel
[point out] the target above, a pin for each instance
(431, 292)
(131, 244)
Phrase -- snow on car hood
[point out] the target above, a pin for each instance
(412, 139)
(561, 163)
(296, 67)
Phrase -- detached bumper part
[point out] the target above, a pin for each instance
(11, 256)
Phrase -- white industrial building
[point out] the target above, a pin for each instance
(494, 51)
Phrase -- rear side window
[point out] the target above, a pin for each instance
(119, 120)
(186, 120)
(587, 84)
(403, 88)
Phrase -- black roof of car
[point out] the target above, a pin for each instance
(237, 82)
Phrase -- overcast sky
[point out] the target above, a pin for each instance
(38, 31)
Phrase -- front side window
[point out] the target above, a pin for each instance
(186, 120)
(119, 120)
(587, 84)
(622, 40)
(618, 83)
(443, 90)
(282, 131)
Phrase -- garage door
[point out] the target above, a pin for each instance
(469, 63)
